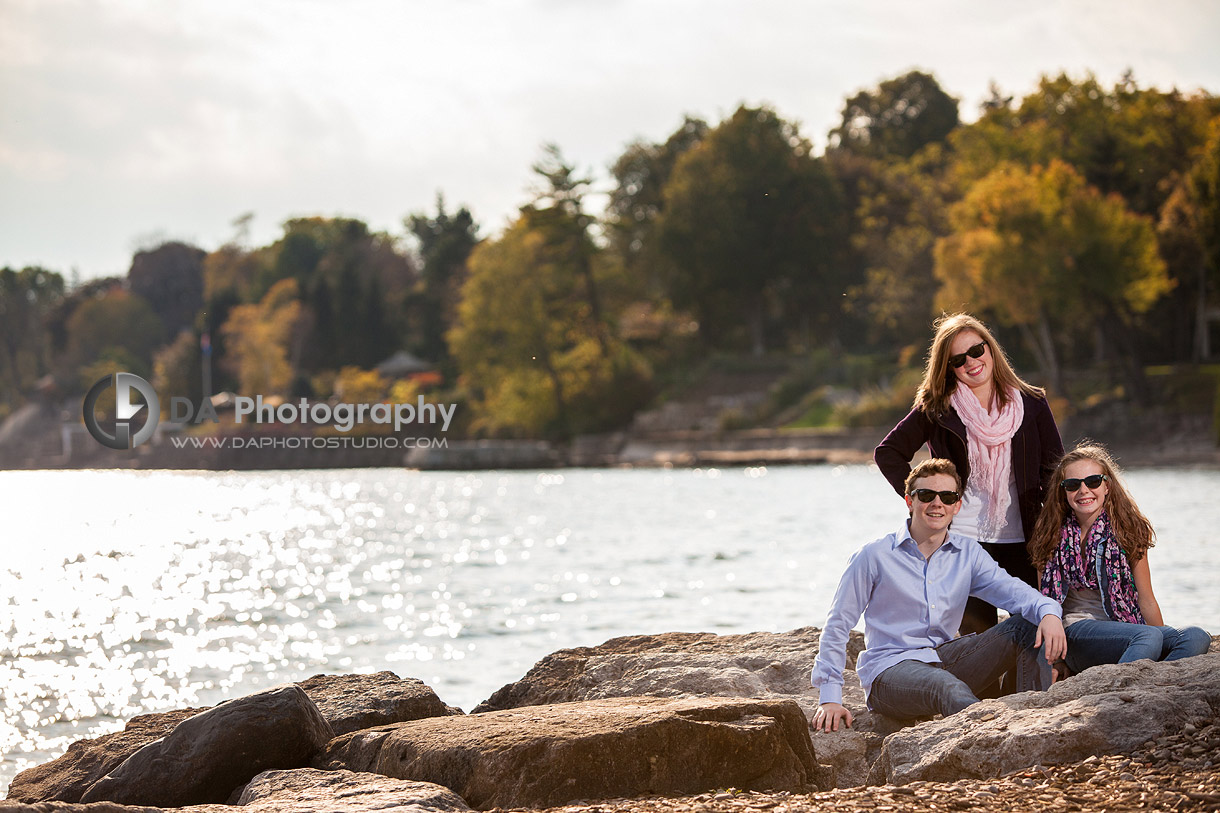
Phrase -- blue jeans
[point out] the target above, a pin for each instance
(1095, 642)
(968, 664)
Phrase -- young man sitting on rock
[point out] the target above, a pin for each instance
(911, 587)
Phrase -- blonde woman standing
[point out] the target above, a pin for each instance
(974, 410)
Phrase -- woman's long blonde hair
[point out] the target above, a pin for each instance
(1130, 526)
(939, 380)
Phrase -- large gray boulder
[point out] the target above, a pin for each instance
(541, 756)
(347, 702)
(772, 665)
(302, 790)
(7, 806)
(210, 754)
(1108, 709)
(759, 664)
(353, 702)
(849, 753)
(306, 791)
(86, 761)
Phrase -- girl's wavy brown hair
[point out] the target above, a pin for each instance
(939, 380)
(1130, 526)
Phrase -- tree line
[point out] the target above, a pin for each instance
(1081, 220)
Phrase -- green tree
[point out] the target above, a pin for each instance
(322, 349)
(512, 327)
(638, 198)
(356, 284)
(348, 306)
(27, 299)
(117, 324)
(1204, 190)
(538, 355)
(1050, 255)
(170, 278)
(898, 211)
(260, 337)
(232, 273)
(527, 363)
(1124, 140)
(558, 215)
(358, 386)
(300, 251)
(897, 119)
(177, 370)
(330, 246)
(443, 245)
(374, 341)
(73, 298)
(1201, 207)
(751, 233)
(1182, 315)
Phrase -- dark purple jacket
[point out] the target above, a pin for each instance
(1036, 449)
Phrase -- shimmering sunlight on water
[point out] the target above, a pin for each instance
(129, 592)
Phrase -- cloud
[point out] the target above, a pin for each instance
(122, 117)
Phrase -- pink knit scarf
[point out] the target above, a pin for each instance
(989, 443)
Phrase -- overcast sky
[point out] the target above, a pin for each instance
(125, 122)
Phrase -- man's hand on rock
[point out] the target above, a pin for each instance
(1050, 631)
(828, 716)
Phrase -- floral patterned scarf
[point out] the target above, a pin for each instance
(1101, 566)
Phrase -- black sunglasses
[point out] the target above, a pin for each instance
(975, 352)
(1072, 484)
(928, 494)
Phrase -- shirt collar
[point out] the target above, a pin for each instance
(951, 539)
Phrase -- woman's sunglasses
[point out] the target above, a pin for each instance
(928, 494)
(1072, 484)
(975, 352)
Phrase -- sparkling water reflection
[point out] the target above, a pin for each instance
(129, 592)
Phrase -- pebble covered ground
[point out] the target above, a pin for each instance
(1179, 772)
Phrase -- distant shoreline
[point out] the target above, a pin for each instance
(1178, 444)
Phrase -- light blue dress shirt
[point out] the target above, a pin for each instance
(912, 605)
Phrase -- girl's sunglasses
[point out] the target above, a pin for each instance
(975, 352)
(1072, 484)
(927, 495)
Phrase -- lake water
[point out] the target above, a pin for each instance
(128, 592)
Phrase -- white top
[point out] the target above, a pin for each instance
(1083, 604)
(966, 522)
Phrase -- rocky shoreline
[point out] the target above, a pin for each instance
(1139, 781)
(1150, 440)
(670, 722)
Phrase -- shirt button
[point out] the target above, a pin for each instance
(933, 606)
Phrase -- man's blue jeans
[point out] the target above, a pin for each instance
(1095, 642)
(968, 664)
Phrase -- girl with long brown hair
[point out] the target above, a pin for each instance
(973, 409)
(1091, 550)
